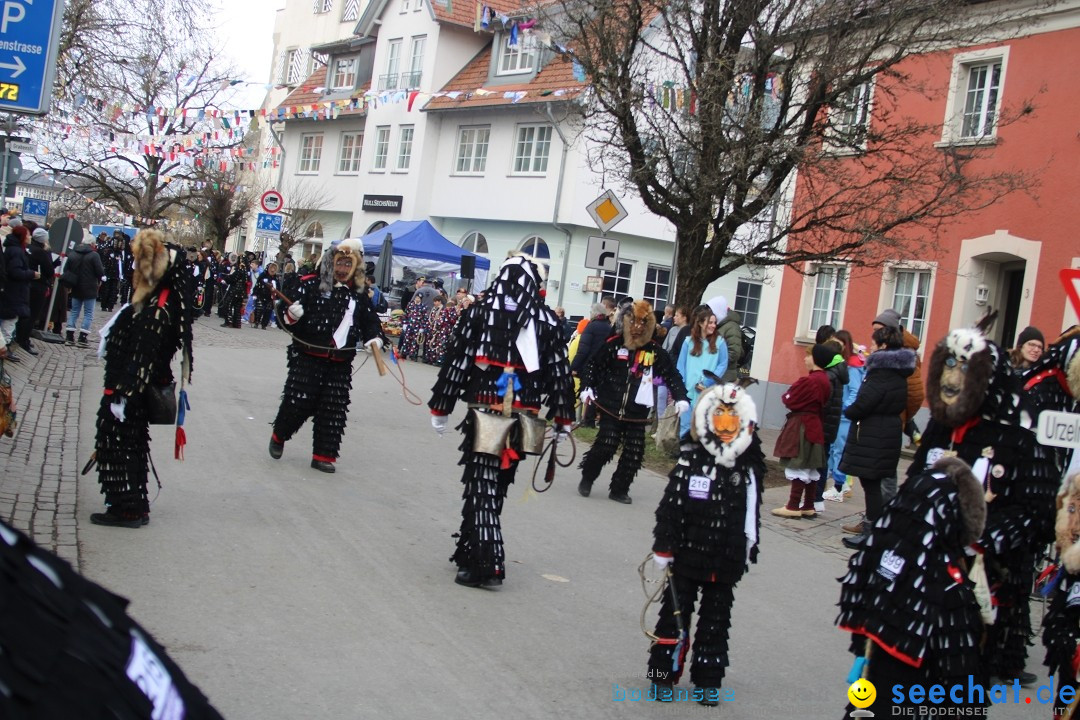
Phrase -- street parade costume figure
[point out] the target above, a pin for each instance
(441, 323)
(1061, 626)
(72, 651)
(979, 414)
(911, 596)
(329, 316)
(110, 262)
(264, 295)
(236, 292)
(505, 359)
(138, 346)
(127, 265)
(414, 329)
(707, 528)
(619, 379)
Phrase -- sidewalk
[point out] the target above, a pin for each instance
(39, 465)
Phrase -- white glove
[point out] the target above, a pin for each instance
(563, 429)
(661, 562)
(118, 409)
(294, 312)
(375, 344)
(439, 423)
(587, 396)
(682, 406)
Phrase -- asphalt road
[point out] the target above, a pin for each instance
(287, 593)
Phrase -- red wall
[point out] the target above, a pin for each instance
(1043, 70)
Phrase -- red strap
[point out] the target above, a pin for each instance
(958, 433)
(1049, 372)
(163, 297)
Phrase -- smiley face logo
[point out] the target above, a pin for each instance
(862, 693)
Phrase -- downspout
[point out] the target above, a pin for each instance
(281, 168)
(558, 202)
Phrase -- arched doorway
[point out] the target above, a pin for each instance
(993, 274)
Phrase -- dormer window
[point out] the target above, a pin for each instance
(519, 59)
(344, 75)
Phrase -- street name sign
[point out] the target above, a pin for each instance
(1058, 429)
(29, 38)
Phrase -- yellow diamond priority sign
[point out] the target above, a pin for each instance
(606, 211)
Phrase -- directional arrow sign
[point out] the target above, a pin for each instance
(29, 36)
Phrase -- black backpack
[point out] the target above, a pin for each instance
(749, 334)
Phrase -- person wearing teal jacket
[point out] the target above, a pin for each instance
(700, 353)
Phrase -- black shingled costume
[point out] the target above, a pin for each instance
(320, 375)
(1023, 480)
(139, 349)
(482, 345)
(908, 590)
(709, 544)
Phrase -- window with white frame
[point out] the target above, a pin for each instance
(389, 81)
(382, 146)
(310, 153)
(411, 79)
(474, 242)
(405, 141)
(618, 283)
(657, 285)
(418, 5)
(351, 144)
(322, 6)
(975, 91)
(531, 149)
(748, 302)
(351, 11)
(472, 150)
(849, 119)
(404, 6)
(344, 75)
(519, 59)
(535, 246)
(911, 298)
(829, 284)
(293, 64)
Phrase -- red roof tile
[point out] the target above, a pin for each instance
(556, 75)
(460, 12)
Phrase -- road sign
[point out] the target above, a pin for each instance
(594, 283)
(602, 254)
(268, 224)
(64, 234)
(22, 147)
(14, 170)
(36, 210)
(29, 37)
(606, 211)
(271, 201)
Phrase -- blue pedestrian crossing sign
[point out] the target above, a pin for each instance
(29, 38)
(268, 224)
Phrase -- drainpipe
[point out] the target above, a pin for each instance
(558, 202)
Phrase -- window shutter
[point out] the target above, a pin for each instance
(352, 10)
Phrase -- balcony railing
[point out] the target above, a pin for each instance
(388, 82)
(410, 80)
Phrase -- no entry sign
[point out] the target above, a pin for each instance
(271, 201)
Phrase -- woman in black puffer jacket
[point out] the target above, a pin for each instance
(873, 444)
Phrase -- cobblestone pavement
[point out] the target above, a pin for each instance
(39, 466)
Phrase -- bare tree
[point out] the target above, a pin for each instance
(155, 57)
(303, 201)
(222, 204)
(709, 109)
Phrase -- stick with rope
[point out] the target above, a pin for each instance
(654, 597)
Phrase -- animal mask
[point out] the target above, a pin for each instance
(959, 374)
(151, 260)
(723, 421)
(638, 324)
(340, 263)
(1067, 526)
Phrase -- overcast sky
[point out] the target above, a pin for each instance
(247, 32)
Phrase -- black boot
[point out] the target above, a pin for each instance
(69, 337)
(82, 340)
(620, 497)
(276, 448)
(467, 578)
(584, 487)
(108, 519)
(326, 467)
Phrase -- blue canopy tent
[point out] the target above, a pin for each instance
(420, 247)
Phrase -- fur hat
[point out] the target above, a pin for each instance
(719, 306)
(701, 426)
(643, 312)
(151, 260)
(352, 248)
(889, 318)
(1030, 333)
(969, 493)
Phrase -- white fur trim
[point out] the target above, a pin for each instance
(728, 394)
(965, 342)
(354, 245)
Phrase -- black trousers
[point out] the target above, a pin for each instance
(613, 433)
(208, 298)
(710, 659)
(315, 388)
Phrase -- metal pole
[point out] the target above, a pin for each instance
(56, 279)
